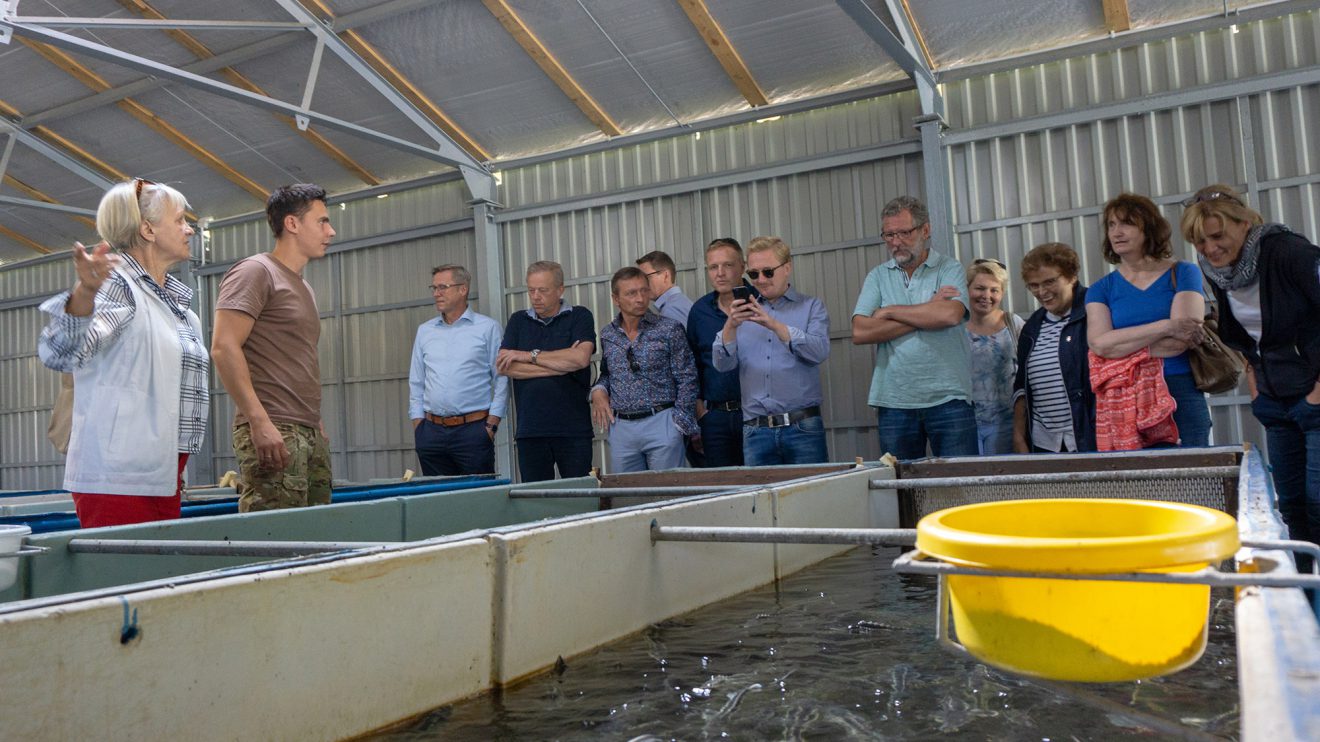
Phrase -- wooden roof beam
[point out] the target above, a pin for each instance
(1117, 17)
(385, 69)
(551, 66)
(200, 50)
(29, 243)
(146, 116)
(728, 57)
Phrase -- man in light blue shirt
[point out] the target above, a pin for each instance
(913, 308)
(670, 301)
(777, 343)
(455, 396)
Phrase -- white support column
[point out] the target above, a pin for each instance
(490, 277)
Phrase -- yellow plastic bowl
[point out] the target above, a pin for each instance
(1073, 629)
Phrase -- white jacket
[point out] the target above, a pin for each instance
(125, 438)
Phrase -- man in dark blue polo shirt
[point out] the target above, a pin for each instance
(547, 352)
(719, 402)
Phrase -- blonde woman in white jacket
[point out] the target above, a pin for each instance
(134, 346)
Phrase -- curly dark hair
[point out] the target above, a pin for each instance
(1142, 213)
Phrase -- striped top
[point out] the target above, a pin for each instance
(69, 342)
(1051, 415)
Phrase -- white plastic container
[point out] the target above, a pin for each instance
(11, 540)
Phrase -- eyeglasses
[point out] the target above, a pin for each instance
(899, 234)
(633, 365)
(137, 187)
(1211, 196)
(769, 272)
(983, 261)
(439, 287)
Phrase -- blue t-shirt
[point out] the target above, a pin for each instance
(1130, 306)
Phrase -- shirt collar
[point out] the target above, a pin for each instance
(466, 315)
(174, 288)
(564, 308)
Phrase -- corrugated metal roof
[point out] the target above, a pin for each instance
(643, 62)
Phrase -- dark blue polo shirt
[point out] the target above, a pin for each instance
(552, 406)
(705, 321)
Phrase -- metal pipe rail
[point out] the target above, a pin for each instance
(598, 492)
(275, 549)
(996, 480)
(916, 562)
(872, 536)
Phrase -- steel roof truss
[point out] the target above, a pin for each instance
(310, 87)
(55, 155)
(902, 51)
(162, 25)
(31, 204)
(448, 154)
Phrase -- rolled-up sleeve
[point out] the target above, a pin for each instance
(724, 356)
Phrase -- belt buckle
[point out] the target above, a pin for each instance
(774, 420)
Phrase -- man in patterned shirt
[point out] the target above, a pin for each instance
(646, 393)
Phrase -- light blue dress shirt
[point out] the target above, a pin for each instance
(776, 377)
(453, 368)
(924, 368)
(674, 304)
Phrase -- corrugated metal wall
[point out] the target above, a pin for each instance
(1032, 155)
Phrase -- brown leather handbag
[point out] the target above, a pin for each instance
(1215, 367)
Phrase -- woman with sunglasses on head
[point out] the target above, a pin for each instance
(126, 333)
(1266, 281)
(1147, 312)
(993, 335)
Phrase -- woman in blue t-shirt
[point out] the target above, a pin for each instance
(1150, 301)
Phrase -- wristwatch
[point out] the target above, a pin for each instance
(536, 353)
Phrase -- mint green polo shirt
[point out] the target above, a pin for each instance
(926, 367)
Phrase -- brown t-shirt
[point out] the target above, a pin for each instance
(281, 349)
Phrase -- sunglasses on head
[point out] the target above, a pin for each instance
(633, 365)
(138, 183)
(1211, 196)
(983, 261)
(754, 274)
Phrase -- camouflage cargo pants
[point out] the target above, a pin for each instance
(305, 481)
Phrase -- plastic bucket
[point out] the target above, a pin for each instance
(11, 540)
(1074, 629)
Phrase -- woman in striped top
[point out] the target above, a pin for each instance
(134, 346)
(1054, 407)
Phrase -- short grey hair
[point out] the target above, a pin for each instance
(548, 266)
(460, 273)
(910, 204)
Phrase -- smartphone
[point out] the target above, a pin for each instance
(743, 293)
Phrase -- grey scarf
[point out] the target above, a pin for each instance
(1242, 273)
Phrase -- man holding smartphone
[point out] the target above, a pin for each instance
(777, 343)
(719, 401)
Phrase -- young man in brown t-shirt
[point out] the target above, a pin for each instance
(264, 349)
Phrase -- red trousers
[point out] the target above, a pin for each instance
(95, 511)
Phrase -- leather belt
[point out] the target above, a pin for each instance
(456, 420)
(783, 419)
(733, 406)
(641, 414)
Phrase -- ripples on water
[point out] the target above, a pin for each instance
(844, 650)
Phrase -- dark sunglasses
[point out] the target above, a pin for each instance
(633, 365)
(983, 261)
(1211, 196)
(769, 272)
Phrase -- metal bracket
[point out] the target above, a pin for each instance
(26, 550)
(310, 88)
(8, 9)
(9, 150)
(918, 562)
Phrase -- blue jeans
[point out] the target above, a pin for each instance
(1193, 414)
(995, 437)
(803, 442)
(950, 428)
(722, 437)
(1292, 430)
(460, 449)
(538, 457)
